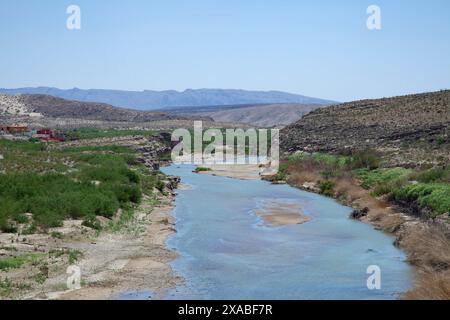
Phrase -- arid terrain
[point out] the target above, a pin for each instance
(50, 112)
(267, 115)
(409, 130)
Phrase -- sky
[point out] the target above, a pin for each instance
(316, 48)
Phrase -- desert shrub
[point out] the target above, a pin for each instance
(91, 221)
(435, 196)
(160, 185)
(327, 187)
(389, 187)
(282, 172)
(18, 261)
(368, 159)
(381, 177)
(433, 175)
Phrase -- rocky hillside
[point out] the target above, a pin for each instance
(47, 106)
(269, 115)
(408, 130)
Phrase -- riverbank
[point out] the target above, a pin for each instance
(425, 243)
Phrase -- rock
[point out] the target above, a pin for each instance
(358, 214)
(311, 186)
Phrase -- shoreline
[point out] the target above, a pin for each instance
(378, 213)
(423, 242)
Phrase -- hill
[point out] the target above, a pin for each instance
(47, 106)
(267, 115)
(52, 112)
(408, 130)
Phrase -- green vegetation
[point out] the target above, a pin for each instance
(74, 256)
(92, 133)
(372, 178)
(327, 188)
(432, 195)
(18, 261)
(323, 159)
(428, 188)
(78, 183)
(282, 172)
(7, 287)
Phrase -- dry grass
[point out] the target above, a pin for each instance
(302, 172)
(430, 286)
(427, 246)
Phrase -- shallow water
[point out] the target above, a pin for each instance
(226, 252)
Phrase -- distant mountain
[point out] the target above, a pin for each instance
(151, 100)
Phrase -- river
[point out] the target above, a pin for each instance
(227, 252)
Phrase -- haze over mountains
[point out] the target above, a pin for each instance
(152, 100)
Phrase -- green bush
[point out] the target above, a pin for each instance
(366, 159)
(380, 177)
(282, 172)
(433, 175)
(435, 196)
(327, 187)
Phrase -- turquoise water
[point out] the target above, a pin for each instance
(227, 253)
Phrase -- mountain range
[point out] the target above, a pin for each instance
(152, 100)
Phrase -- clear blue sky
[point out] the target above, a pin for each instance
(316, 48)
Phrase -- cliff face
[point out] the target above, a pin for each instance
(408, 130)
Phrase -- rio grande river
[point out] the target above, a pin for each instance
(227, 252)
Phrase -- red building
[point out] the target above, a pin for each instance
(14, 129)
(49, 135)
